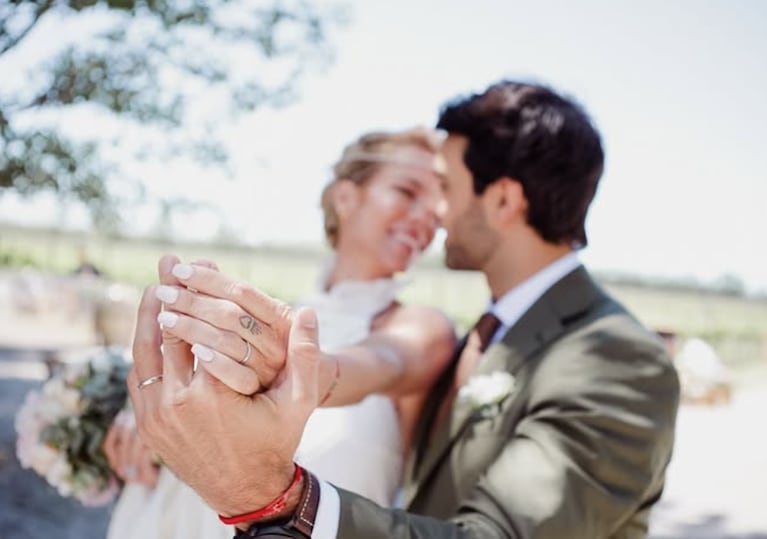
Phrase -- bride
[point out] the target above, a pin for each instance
(379, 213)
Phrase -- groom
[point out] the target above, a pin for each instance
(560, 424)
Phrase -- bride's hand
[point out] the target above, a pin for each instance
(130, 459)
(238, 333)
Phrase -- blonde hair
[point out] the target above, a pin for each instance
(362, 159)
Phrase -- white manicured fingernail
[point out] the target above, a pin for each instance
(202, 352)
(182, 271)
(167, 319)
(167, 294)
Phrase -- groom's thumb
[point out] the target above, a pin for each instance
(303, 360)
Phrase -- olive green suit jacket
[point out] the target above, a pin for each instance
(576, 447)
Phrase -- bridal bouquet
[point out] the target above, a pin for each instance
(61, 427)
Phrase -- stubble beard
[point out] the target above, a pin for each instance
(456, 258)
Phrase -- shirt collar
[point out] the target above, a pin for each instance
(513, 304)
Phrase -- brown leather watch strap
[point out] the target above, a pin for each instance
(306, 512)
(300, 525)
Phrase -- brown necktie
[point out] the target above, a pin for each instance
(476, 343)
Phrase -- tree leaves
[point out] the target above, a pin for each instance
(150, 67)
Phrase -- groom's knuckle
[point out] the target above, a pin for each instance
(172, 406)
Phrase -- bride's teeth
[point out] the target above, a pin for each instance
(412, 243)
(409, 240)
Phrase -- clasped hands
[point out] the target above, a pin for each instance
(230, 427)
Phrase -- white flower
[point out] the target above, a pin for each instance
(59, 474)
(486, 389)
(71, 401)
(27, 417)
(50, 406)
(32, 454)
(102, 362)
(42, 458)
(75, 371)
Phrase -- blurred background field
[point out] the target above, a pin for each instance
(733, 323)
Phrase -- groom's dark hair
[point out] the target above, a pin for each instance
(547, 143)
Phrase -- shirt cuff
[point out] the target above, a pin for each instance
(328, 513)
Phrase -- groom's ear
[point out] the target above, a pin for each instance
(345, 198)
(505, 202)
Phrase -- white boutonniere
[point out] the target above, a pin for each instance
(484, 390)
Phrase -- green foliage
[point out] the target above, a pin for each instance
(16, 259)
(150, 65)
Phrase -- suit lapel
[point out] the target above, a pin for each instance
(543, 323)
(507, 355)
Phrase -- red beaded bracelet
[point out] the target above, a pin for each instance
(277, 505)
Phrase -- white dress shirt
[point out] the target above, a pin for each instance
(513, 304)
(509, 309)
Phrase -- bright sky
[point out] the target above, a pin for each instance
(677, 89)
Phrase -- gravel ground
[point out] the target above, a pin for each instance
(717, 482)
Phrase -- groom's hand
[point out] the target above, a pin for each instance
(235, 450)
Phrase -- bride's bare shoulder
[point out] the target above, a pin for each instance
(424, 319)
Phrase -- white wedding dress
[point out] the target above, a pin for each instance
(356, 447)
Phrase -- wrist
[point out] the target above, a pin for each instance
(256, 489)
(297, 525)
(278, 506)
